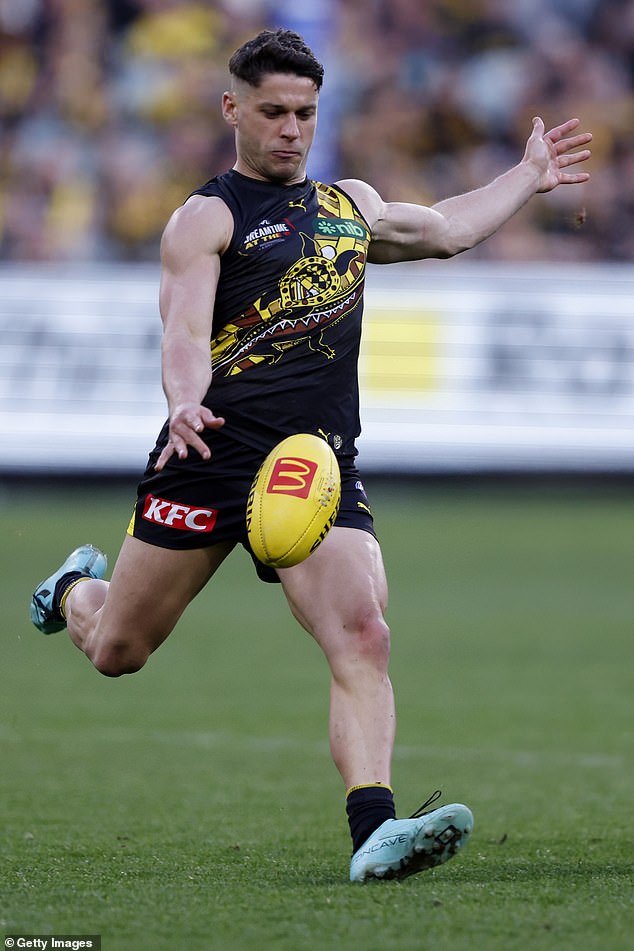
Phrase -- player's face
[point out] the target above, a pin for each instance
(274, 124)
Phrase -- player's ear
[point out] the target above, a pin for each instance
(230, 108)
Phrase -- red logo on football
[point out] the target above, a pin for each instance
(292, 476)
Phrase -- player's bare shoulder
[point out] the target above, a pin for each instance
(203, 225)
(367, 200)
(401, 231)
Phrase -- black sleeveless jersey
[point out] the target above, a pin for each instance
(287, 315)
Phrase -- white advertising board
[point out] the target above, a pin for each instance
(463, 368)
(500, 368)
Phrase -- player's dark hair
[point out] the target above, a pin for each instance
(275, 51)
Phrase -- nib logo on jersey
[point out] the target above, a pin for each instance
(174, 515)
(266, 233)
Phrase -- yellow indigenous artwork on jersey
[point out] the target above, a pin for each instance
(317, 291)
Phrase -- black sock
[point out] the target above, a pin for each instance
(368, 807)
(62, 586)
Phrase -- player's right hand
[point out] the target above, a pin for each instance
(186, 422)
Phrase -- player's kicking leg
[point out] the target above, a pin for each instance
(118, 624)
(339, 596)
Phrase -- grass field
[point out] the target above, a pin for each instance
(194, 805)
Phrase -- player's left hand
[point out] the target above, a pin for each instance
(552, 153)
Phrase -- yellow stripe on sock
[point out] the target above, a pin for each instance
(62, 603)
(368, 786)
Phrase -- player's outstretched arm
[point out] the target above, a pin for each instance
(190, 266)
(406, 232)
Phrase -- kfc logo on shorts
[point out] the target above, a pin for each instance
(174, 515)
(292, 476)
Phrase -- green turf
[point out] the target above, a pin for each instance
(194, 805)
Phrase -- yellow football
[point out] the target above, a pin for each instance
(294, 500)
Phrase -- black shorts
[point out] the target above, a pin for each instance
(194, 502)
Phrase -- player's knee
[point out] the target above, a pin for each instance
(372, 640)
(116, 660)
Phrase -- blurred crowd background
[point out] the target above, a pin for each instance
(110, 113)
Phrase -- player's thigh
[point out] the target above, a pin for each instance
(151, 587)
(340, 587)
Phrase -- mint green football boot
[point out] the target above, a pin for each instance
(86, 561)
(402, 847)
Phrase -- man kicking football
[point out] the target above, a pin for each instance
(261, 299)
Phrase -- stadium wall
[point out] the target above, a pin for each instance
(464, 368)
